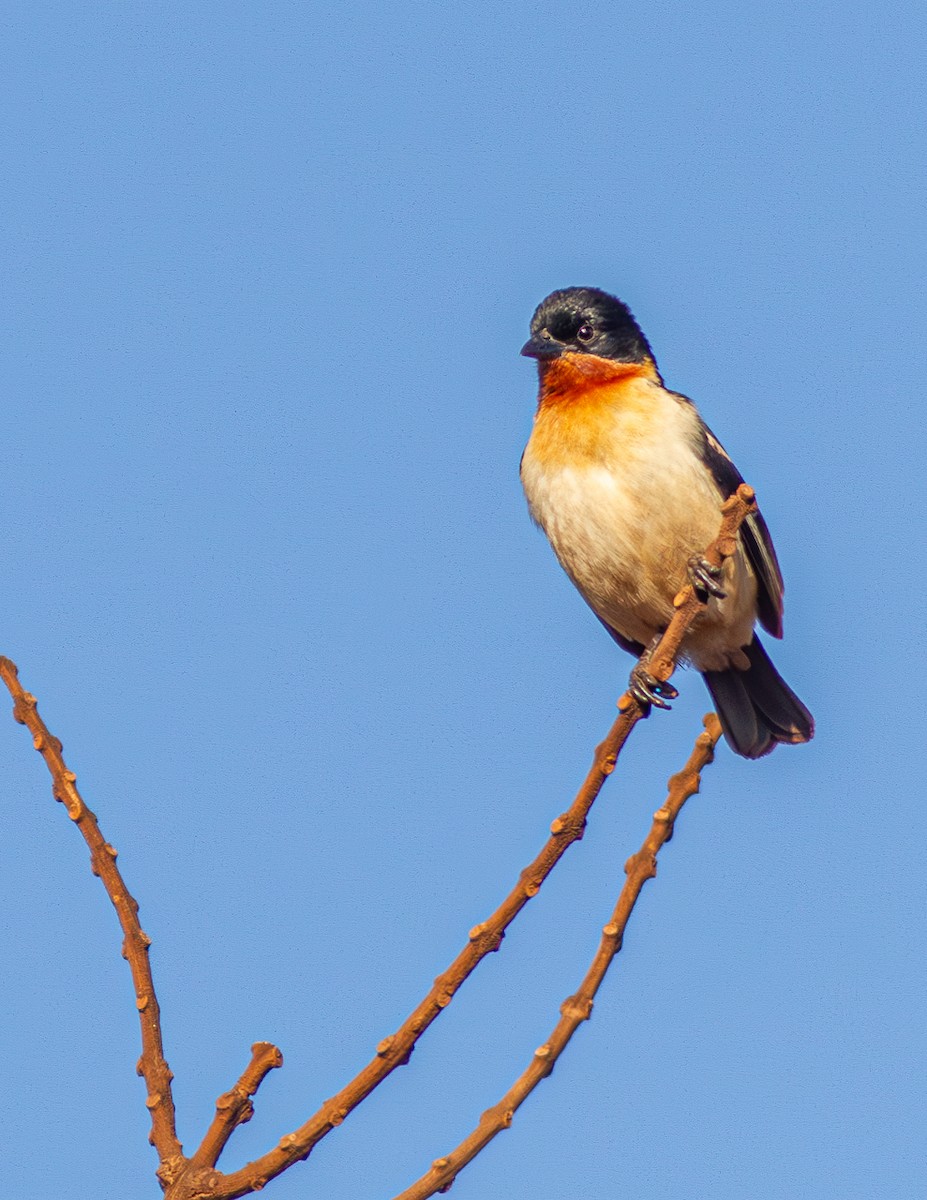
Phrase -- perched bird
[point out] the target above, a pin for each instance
(627, 481)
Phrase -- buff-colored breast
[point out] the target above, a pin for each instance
(613, 476)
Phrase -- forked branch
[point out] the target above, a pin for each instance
(578, 1008)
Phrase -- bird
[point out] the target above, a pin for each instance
(626, 480)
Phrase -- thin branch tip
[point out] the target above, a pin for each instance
(153, 1066)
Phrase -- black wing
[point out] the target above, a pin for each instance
(754, 536)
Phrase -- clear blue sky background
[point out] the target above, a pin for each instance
(267, 565)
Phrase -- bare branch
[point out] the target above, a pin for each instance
(152, 1064)
(234, 1108)
(578, 1008)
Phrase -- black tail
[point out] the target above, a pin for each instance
(757, 708)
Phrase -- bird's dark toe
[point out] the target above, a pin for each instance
(704, 577)
(647, 690)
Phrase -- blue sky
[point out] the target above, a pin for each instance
(268, 568)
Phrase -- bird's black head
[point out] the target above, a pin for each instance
(583, 320)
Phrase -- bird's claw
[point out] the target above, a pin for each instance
(647, 690)
(704, 577)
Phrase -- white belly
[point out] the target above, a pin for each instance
(624, 532)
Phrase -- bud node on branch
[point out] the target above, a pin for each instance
(577, 1007)
(170, 1169)
(484, 939)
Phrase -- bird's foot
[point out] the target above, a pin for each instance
(704, 578)
(647, 690)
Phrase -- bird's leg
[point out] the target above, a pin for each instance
(646, 688)
(704, 578)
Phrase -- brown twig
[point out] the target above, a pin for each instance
(234, 1108)
(394, 1051)
(578, 1008)
(152, 1064)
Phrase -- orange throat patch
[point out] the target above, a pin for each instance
(571, 376)
(581, 396)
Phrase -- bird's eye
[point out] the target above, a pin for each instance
(585, 333)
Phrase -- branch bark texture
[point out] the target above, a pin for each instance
(578, 1008)
(152, 1065)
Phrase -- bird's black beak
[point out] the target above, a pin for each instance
(541, 347)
